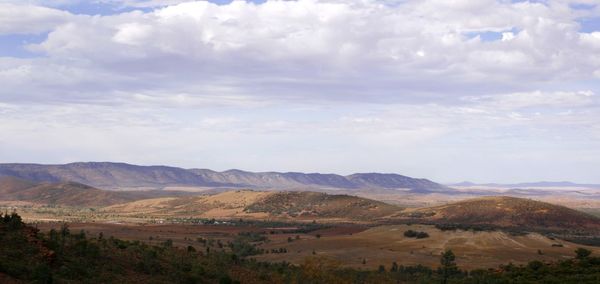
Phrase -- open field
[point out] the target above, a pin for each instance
(386, 244)
(358, 232)
(351, 244)
(181, 235)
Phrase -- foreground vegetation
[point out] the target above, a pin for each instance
(62, 256)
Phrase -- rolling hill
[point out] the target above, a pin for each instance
(507, 212)
(262, 205)
(69, 193)
(107, 175)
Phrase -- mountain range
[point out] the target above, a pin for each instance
(542, 184)
(108, 175)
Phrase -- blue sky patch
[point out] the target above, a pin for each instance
(14, 45)
(112, 8)
(103, 9)
(490, 36)
(581, 6)
(589, 25)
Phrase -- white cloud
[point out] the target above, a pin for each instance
(29, 19)
(302, 83)
(515, 101)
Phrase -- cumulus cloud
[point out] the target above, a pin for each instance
(29, 19)
(357, 49)
(359, 75)
(324, 50)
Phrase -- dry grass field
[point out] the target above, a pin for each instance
(357, 232)
(383, 245)
(351, 244)
(181, 235)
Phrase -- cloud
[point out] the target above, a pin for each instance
(29, 19)
(404, 85)
(314, 50)
(515, 101)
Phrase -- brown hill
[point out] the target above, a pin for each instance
(266, 205)
(313, 204)
(68, 193)
(12, 184)
(507, 212)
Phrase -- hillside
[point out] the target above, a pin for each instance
(107, 175)
(391, 181)
(276, 179)
(264, 205)
(507, 212)
(386, 244)
(64, 256)
(69, 193)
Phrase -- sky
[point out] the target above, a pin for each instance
(450, 90)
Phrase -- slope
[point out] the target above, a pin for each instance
(69, 193)
(507, 212)
(263, 205)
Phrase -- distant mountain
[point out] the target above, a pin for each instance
(529, 184)
(377, 180)
(108, 175)
(70, 193)
(275, 179)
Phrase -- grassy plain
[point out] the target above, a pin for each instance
(352, 245)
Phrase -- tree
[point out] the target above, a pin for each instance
(14, 221)
(318, 269)
(422, 235)
(582, 253)
(448, 268)
(410, 234)
(394, 267)
(535, 265)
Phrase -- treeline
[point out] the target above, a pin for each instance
(62, 256)
(271, 225)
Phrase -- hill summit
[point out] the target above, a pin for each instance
(504, 211)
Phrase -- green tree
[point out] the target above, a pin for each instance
(14, 221)
(448, 265)
(582, 253)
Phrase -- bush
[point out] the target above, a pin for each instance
(415, 234)
(422, 235)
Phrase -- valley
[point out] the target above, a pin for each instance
(360, 228)
(351, 245)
